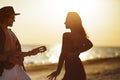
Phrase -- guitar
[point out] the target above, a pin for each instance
(8, 65)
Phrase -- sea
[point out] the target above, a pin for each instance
(51, 55)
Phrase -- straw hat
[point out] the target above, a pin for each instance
(7, 10)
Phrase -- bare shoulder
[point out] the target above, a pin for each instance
(66, 34)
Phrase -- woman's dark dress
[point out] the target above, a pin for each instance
(74, 69)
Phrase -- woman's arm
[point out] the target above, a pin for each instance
(86, 45)
(60, 63)
(82, 46)
(63, 51)
(54, 74)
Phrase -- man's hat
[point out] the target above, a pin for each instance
(8, 10)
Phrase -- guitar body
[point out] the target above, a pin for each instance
(20, 58)
(8, 65)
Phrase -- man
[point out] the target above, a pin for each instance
(11, 56)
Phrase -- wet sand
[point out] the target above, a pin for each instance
(98, 69)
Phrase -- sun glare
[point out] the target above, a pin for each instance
(54, 53)
(50, 14)
(84, 56)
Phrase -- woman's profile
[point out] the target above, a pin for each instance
(73, 43)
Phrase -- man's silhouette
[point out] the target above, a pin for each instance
(11, 56)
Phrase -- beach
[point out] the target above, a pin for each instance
(97, 69)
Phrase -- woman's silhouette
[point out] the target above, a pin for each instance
(73, 44)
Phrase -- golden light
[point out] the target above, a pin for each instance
(48, 16)
(54, 53)
(51, 14)
(85, 56)
(56, 50)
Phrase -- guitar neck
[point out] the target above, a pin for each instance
(24, 54)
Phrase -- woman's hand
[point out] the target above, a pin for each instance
(53, 75)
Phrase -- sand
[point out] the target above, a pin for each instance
(98, 69)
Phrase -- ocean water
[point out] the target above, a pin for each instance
(53, 52)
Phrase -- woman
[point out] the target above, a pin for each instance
(74, 43)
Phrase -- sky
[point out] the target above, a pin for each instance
(42, 21)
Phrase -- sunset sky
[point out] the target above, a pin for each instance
(42, 21)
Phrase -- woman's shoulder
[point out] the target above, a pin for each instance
(67, 35)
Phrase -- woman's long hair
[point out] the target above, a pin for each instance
(74, 19)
